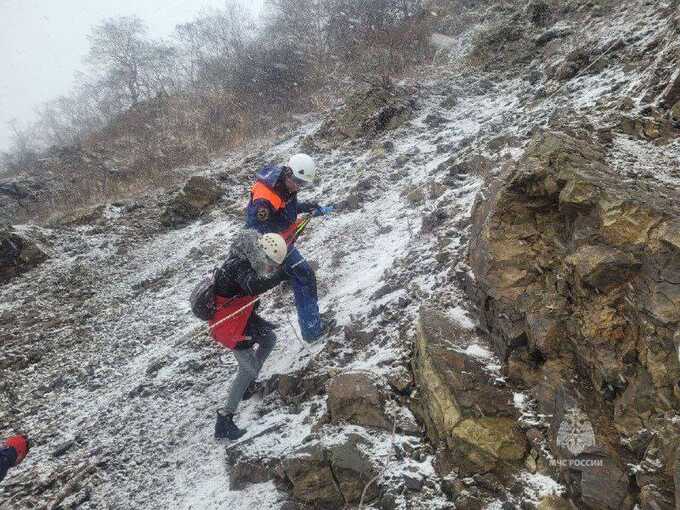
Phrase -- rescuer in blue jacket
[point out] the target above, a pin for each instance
(274, 208)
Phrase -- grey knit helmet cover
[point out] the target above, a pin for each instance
(245, 246)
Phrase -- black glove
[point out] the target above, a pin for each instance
(262, 325)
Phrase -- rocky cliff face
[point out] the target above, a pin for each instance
(466, 410)
(576, 271)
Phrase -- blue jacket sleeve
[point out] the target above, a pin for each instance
(8, 457)
(307, 207)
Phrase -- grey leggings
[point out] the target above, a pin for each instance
(250, 361)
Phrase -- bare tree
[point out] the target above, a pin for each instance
(210, 45)
(22, 151)
(301, 24)
(227, 78)
(117, 52)
(160, 69)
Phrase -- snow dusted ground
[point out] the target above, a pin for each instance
(120, 376)
(635, 159)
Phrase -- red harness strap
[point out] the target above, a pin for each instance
(289, 234)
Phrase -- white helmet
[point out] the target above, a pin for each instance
(274, 247)
(303, 167)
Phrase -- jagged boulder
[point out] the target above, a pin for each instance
(21, 196)
(355, 397)
(329, 476)
(502, 42)
(458, 170)
(198, 194)
(85, 216)
(464, 409)
(570, 66)
(313, 481)
(601, 267)
(654, 127)
(245, 470)
(577, 276)
(15, 190)
(18, 254)
(353, 469)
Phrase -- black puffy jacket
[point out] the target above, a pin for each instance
(237, 277)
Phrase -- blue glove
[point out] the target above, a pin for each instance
(321, 211)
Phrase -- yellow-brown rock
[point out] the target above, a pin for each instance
(464, 409)
(578, 269)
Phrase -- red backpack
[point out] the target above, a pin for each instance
(226, 316)
(231, 317)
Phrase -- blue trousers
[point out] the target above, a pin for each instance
(8, 456)
(303, 281)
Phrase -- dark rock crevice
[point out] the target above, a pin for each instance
(336, 481)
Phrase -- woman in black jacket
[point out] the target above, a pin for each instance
(252, 268)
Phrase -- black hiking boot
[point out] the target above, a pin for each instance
(225, 428)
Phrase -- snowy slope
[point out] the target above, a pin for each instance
(154, 431)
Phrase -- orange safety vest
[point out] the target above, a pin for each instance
(261, 191)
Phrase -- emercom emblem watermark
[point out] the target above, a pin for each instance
(576, 435)
(576, 432)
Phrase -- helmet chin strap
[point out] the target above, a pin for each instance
(271, 265)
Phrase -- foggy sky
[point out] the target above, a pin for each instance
(43, 42)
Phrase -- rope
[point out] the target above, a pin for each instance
(290, 323)
(235, 313)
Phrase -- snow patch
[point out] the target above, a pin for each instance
(539, 486)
